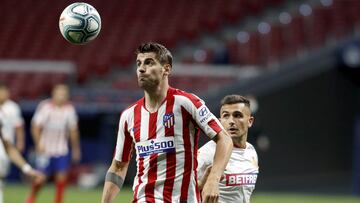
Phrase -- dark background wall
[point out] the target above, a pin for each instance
(310, 126)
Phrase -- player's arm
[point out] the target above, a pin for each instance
(205, 159)
(20, 138)
(75, 144)
(14, 155)
(115, 176)
(114, 180)
(223, 150)
(202, 180)
(37, 124)
(36, 133)
(19, 129)
(74, 135)
(19, 161)
(212, 127)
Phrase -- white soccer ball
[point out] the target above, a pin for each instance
(80, 23)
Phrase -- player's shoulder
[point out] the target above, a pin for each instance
(190, 97)
(183, 93)
(209, 146)
(250, 147)
(131, 107)
(69, 105)
(45, 104)
(10, 105)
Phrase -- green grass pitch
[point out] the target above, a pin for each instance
(16, 194)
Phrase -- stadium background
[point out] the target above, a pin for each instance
(299, 59)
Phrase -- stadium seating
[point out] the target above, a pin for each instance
(292, 32)
(125, 24)
(35, 84)
(31, 32)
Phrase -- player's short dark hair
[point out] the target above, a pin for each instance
(162, 53)
(234, 99)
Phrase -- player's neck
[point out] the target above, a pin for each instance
(155, 96)
(239, 142)
(58, 104)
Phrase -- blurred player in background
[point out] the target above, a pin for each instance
(163, 127)
(54, 122)
(241, 172)
(12, 129)
(13, 122)
(15, 156)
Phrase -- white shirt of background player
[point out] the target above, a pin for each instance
(240, 173)
(12, 119)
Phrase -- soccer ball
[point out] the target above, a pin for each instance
(80, 23)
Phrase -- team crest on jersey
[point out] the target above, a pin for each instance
(168, 120)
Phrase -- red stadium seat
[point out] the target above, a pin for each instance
(126, 24)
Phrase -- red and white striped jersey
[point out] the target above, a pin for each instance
(166, 144)
(56, 122)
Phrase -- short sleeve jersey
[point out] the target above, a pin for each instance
(240, 173)
(56, 123)
(166, 143)
(11, 119)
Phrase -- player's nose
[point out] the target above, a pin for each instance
(141, 69)
(231, 120)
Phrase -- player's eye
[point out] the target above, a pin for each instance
(149, 62)
(225, 115)
(238, 115)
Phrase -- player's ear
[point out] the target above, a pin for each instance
(167, 69)
(251, 121)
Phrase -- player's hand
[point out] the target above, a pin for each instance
(76, 156)
(35, 176)
(210, 192)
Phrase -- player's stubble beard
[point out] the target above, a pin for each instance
(239, 138)
(148, 84)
